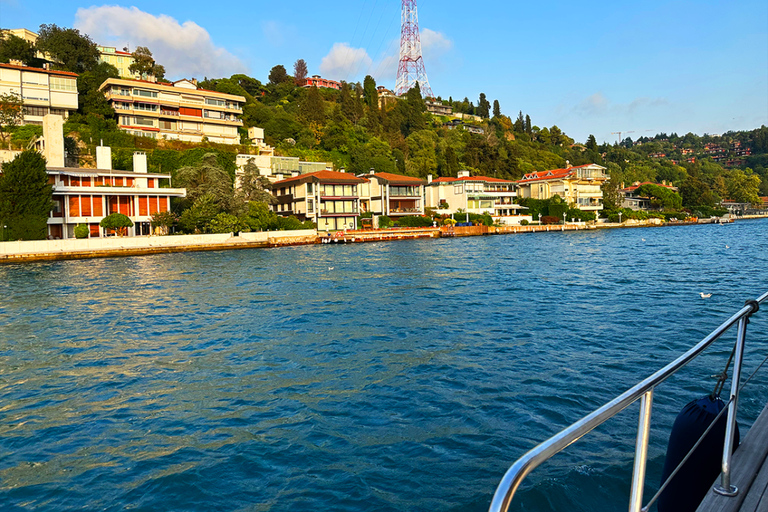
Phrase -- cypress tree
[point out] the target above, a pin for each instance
(25, 197)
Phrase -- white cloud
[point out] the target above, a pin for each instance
(185, 49)
(434, 44)
(344, 62)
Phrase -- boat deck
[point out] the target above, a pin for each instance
(749, 473)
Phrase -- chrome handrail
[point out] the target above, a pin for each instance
(514, 476)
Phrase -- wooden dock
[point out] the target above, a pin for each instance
(749, 473)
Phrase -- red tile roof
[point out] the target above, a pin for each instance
(397, 178)
(550, 175)
(38, 70)
(328, 176)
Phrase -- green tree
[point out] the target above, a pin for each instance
(253, 186)
(661, 197)
(483, 107)
(422, 150)
(312, 107)
(197, 218)
(226, 223)
(496, 109)
(370, 94)
(15, 48)
(696, 193)
(25, 197)
(300, 72)
(278, 75)
(68, 48)
(91, 100)
(118, 222)
(743, 186)
(11, 114)
(207, 178)
(591, 143)
(82, 231)
(144, 64)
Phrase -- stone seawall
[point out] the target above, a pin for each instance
(40, 250)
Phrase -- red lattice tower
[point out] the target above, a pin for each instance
(410, 70)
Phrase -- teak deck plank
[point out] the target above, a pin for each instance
(749, 473)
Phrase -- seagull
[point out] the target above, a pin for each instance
(705, 295)
(643, 239)
(727, 247)
(331, 268)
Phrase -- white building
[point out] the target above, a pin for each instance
(42, 91)
(475, 194)
(177, 111)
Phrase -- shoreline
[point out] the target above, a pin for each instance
(113, 247)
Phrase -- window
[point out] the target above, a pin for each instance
(145, 106)
(36, 111)
(458, 190)
(216, 102)
(212, 114)
(145, 93)
(59, 83)
(167, 125)
(144, 121)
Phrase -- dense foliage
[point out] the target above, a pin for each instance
(25, 197)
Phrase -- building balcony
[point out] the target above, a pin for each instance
(119, 191)
(326, 213)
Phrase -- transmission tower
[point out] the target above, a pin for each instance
(410, 70)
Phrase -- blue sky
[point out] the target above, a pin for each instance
(589, 67)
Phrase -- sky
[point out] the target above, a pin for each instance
(589, 67)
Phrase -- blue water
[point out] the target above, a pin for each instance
(406, 378)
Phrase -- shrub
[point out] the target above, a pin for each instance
(385, 222)
(416, 221)
(550, 219)
(524, 222)
(82, 231)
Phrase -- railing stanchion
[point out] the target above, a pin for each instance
(641, 452)
(725, 488)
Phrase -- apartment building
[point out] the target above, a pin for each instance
(329, 199)
(86, 196)
(177, 111)
(121, 59)
(393, 195)
(42, 91)
(475, 194)
(579, 186)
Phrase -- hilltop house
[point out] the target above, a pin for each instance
(177, 111)
(42, 91)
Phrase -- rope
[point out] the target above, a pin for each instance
(722, 377)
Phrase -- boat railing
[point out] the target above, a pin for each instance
(642, 391)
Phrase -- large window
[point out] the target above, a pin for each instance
(36, 111)
(145, 93)
(216, 102)
(145, 106)
(59, 83)
(144, 121)
(338, 190)
(404, 191)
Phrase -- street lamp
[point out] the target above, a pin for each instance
(619, 217)
(563, 218)
(539, 217)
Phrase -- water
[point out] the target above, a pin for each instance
(407, 378)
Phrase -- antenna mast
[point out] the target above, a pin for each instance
(410, 70)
